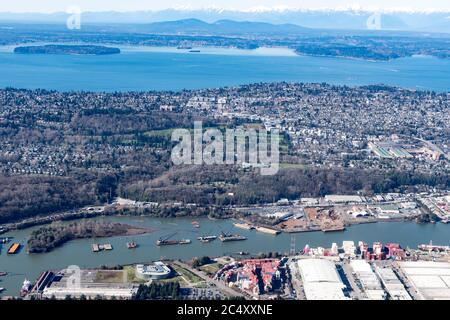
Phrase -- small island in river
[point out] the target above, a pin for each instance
(49, 237)
(67, 49)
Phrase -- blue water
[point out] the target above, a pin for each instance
(140, 70)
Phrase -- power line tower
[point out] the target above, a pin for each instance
(292, 251)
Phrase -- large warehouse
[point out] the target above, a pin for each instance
(430, 279)
(321, 280)
(369, 281)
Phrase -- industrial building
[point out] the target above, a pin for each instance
(343, 199)
(430, 279)
(392, 284)
(86, 283)
(367, 279)
(158, 270)
(321, 280)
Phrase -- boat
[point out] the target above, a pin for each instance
(206, 239)
(132, 245)
(3, 273)
(5, 240)
(243, 253)
(224, 237)
(184, 241)
(95, 247)
(195, 224)
(162, 242)
(14, 248)
(2, 289)
(195, 50)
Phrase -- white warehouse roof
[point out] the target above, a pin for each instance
(321, 280)
(431, 279)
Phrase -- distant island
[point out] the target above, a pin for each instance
(67, 49)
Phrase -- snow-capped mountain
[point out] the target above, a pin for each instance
(337, 18)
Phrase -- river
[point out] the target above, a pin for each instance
(78, 252)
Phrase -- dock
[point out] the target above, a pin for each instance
(268, 230)
(100, 247)
(333, 229)
(245, 226)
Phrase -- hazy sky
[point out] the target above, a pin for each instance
(134, 5)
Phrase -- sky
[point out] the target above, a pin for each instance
(48, 6)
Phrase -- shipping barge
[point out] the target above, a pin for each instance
(231, 237)
(162, 242)
(14, 248)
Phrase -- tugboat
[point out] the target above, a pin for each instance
(132, 245)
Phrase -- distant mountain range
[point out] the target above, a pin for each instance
(285, 20)
(221, 27)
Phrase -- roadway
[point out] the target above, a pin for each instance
(229, 291)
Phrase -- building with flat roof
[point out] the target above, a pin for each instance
(430, 279)
(87, 283)
(158, 270)
(321, 280)
(343, 198)
(392, 284)
(370, 283)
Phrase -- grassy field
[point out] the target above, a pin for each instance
(131, 274)
(187, 274)
(109, 276)
(211, 269)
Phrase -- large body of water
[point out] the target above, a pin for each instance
(140, 69)
(78, 252)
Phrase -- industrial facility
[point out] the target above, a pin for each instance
(87, 283)
(367, 280)
(321, 280)
(430, 279)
